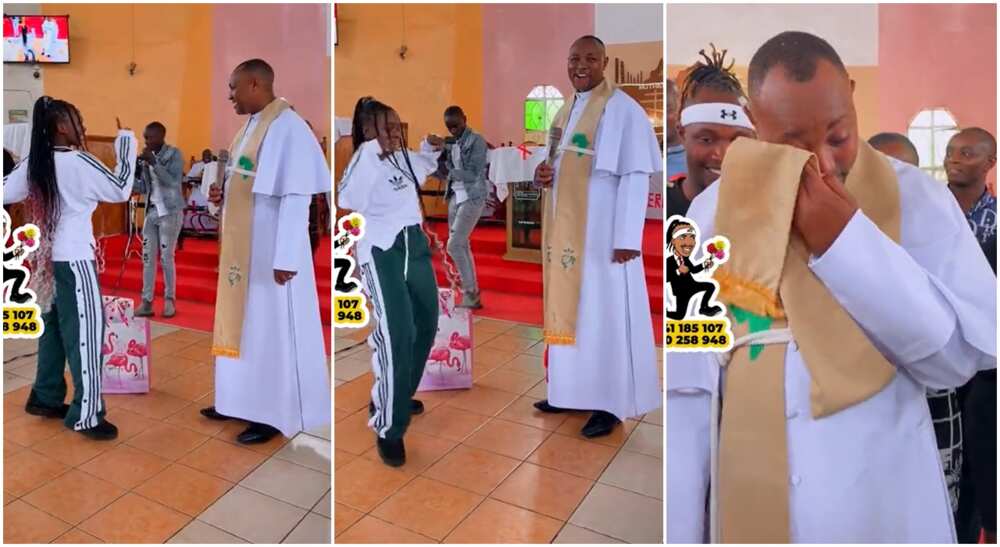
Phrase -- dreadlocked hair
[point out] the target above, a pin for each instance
(712, 73)
(42, 184)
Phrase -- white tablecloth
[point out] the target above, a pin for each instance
(17, 139)
(508, 165)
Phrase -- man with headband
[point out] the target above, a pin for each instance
(863, 288)
(680, 272)
(711, 118)
(599, 334)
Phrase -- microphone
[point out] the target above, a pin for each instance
(555, 137)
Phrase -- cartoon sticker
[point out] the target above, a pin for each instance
(22, 318)
(350, 303)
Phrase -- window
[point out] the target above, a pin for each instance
(540, 108)
(930, 132)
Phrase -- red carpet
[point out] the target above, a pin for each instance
(513, 290)
(197, 266)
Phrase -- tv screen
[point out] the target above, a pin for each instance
(35, 39)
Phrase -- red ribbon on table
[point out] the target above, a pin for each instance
(524, 151)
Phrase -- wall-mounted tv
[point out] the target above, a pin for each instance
(35, 39)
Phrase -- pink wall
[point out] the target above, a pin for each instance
(525, 45)
(292, 38)
(937, 55)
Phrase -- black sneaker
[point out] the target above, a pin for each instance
(257, 434)
(392, 451)
(46, 411)
(601, 423)
(103, 431)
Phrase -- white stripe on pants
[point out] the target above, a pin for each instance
(381, 343)
(88, 305)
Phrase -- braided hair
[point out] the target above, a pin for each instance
(712, 73)
(42, 184)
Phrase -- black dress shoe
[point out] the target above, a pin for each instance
(103, 431)
(544, 406)
(211, 414)
(257, 434)
(601, 423)
(710, 311)
(46, 411)
(392, 451)
(416, 407)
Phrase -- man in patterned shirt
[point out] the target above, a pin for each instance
(970, 156)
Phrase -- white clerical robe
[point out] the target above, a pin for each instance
(871, 473)
(612, 366)
(281, 378)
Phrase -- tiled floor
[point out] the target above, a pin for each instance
(483, 466)
(171, 476)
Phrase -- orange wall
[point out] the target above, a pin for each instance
(866, 94)
(443, 65)
(173, 50)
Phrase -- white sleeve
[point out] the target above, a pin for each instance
(918, 315)
(424, 162)
(292, 233)
(630, 210)
(102, 184)
(355, 187)
(15, 185)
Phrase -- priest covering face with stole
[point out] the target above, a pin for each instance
(270, 367)
(600, 353)
(862, 278)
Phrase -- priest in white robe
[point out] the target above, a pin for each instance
(272, 372)
(607, 363)
(869, 473)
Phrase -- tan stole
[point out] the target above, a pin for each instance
(768, 274)
(234, 259)
(564, 230)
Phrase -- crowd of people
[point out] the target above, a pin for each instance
(873, 478)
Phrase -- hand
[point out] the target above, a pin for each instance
(215, 194)
(683, 269)
(118, 122)
(823, 208)
(622, 256)
(435, 141)
(281, 276)
(544, 174)
(708, 263)
(147, 155)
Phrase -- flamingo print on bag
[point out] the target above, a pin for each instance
(460, 343)
(442, 356)
(117, 360)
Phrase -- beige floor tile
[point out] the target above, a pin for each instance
(184, 489)
(224, 460)
(498, 522)
(205, 534)
(526, 364)
(323, 506)
(27, 470)
(646, 439)
(363, 484)
(72, 448)
(323, 432)
(635, 472)
(428, 507)
(575, 534)
(156, 405)
(446, 422)
(27, 430)
(655, 417)
(350, 368)
(526, 331)
(505, 380)
(168, 441)
(288, 482)
(308, 451)
(482, 400)
(353, 435)
(507, 438)
(374, 531)
(254, 517)
(507, 342)
(623, 515)
(74, 496)
(523, 411)
(313, 529)
(191, 418)
(23, 523)
(581, 458)
(489, 359)
(354, 395)
(135, 519)
(543, 490)
(125, 466)
(473, 469)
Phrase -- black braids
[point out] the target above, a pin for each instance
(362, 111)
(42, 184)
(712, 73)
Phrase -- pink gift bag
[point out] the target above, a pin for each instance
(450, 363)
(125, 348)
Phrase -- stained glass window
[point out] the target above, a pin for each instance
(540, 107)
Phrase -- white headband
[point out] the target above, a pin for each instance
(721, 113)
(682, 231)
